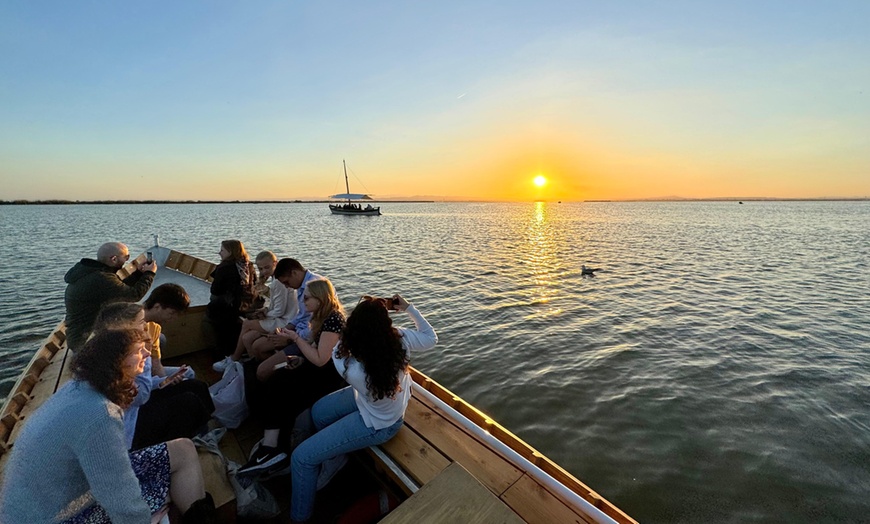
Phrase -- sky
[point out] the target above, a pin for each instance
(453, 100)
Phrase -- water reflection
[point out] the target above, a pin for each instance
(539, 253)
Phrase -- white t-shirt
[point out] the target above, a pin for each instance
(383, 413)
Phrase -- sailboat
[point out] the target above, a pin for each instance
(349, 208)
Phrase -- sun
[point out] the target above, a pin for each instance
(540, 181)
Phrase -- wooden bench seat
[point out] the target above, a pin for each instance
(429, 443)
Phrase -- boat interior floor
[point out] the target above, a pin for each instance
(354, 484)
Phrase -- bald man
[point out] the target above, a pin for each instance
(93, 283)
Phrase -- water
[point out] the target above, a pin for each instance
(715, 370)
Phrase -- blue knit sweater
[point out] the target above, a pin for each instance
(71, 453)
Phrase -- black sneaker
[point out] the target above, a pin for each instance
(265, 459)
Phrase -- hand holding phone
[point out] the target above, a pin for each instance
(292, 362)
(174, 378)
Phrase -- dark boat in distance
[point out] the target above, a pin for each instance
(349, 208)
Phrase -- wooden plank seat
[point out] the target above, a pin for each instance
(454, 495)
(429, 442)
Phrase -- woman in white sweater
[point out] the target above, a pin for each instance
(70, 462)
(373, 358)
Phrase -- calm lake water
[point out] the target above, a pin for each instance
(717, 369)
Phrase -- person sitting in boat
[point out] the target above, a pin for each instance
(373, 357)
(93, 283)
(283, 307)
(232, 292)
(70, 462)
(278, 397)
(165, 303)
(293, 276)
(369, 207)
(163, 408)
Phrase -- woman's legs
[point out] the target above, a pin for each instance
(251, 329)
(343, 431)
(267, 367)
(186, 485)
(261, 347)
(176, 411)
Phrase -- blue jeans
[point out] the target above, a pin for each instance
(340, 430)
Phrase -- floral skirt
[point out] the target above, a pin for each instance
(151, 466)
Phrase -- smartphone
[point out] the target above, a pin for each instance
(149, 257)
(392, 302)
(168, 380)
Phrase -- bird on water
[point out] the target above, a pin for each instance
(588, 271)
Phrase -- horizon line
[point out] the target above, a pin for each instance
(431, 200)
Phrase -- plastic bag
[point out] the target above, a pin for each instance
(253, 500)
(228, 394)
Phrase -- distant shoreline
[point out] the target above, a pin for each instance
(747, 199)
(110, 202)
(675, 199)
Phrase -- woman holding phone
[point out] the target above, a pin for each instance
(373, 357)
(280, 395)
(164, 408)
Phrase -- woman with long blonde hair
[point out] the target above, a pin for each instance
(289, 383)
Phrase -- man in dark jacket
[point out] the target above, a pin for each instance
(94, 283)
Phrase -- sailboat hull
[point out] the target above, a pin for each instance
(339, 209)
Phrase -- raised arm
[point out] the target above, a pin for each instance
(134, 287)
(421, 338)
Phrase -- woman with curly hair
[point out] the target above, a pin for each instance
(373, 358)
(70, 463)
(164, 408)
(304, 374)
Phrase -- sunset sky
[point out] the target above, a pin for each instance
(443, 100)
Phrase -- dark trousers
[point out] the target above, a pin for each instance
(227, 326)
(177, 411)
(278, 401)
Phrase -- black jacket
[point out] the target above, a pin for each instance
(92, 284)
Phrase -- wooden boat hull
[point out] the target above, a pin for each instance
(440, 428)
(337, 209)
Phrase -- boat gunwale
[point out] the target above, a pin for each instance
(53, 346)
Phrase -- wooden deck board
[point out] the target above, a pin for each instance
(453, 496)
(416, 456)
(536, 505)
(520, 447)
(42, 390)
(486, 465)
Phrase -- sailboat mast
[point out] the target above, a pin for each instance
(346, 185)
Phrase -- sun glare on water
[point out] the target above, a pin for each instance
(539, 181)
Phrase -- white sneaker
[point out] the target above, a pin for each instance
(329, 468)
(221, 365)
